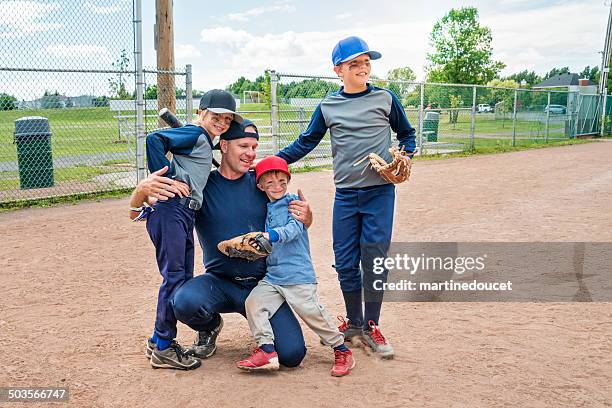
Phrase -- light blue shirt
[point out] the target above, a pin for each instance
(290, 262)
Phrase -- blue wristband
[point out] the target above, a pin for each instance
(273, 236)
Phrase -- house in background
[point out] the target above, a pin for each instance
(568, 82)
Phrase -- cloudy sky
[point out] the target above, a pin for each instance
(228, 39)
(224, 40)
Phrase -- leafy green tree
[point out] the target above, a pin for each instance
(117, 84)
(503, 99)
(267, 89)
(462, 49)
(556, 71)
(7, 102)
(401, 89)
(242, 84)
(590, 73)
(151, 92)
(455, 103)
(100, 101)
(310, 88)
(530, 77)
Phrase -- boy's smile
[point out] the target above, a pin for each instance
(274, 184)
(355, 73)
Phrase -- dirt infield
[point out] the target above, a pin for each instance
(79, 287)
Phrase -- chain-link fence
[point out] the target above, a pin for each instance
(76, 104)
(61, 64)
(448, 118)
(69, 97)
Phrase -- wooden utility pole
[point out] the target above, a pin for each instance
(164, 45)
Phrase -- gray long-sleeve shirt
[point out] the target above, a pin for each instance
(359, 124)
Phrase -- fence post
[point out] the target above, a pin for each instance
(547, 118)
(274, 110)
(514, 119)
(301, 117)
(139, 75)
(473, 119)
(421, 118)
(603, 113)
(188, 94)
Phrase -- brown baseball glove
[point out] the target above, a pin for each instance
(397, 171)
(250, 246)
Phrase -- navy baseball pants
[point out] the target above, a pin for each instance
(199, 301)
(362, 229)
(170, 228)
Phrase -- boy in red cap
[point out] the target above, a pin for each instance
(290, 278)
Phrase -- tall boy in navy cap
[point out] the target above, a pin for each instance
(170, 222)
(360, 118)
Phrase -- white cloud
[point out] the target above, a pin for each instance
(183, 51)
(257, 11)
(77, 50)
(343, 16)
(23, 17)
(101, 9)
(245, 54)
(539, 39)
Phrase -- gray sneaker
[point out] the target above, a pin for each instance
(149, 347)
(205, 343)
(173, 357)
(350, 331)
(373, 338)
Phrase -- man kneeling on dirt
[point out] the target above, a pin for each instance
(232, 205)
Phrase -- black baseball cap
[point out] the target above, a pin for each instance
(219, 101)
(236, 131)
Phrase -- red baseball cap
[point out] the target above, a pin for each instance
(271, 163)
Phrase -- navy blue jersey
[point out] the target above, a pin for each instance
(230, 208)
(192, 155)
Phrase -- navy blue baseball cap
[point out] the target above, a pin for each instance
(236, 131)
(350, 48)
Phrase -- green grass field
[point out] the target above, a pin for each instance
(95, 131)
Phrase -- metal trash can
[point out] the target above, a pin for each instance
(33, 139)
(430, 126)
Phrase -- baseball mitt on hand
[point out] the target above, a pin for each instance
(250, 246)
(397, 171)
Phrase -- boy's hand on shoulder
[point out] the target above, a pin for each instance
(300, 210)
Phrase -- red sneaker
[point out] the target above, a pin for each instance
(343, 363)
(260, 360)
